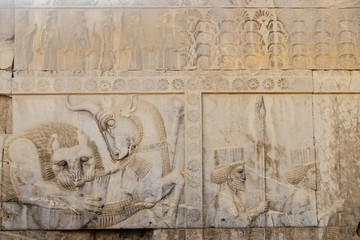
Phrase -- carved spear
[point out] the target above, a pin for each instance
(178, 110)
(262, 117)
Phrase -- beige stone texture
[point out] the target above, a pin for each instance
(5, 82)
(335, 121)
(7, 33)
(36, 235)
(178, 119)
(187, 39)
(5, 115)
(272, 135)
(155, 194)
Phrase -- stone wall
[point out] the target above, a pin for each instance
(178, 119)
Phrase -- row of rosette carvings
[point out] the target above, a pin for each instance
(266, 82)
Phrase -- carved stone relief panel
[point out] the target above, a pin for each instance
(95, 162)
(7, 28)
(107, 39)
(261, 233)
(193, 3)
(336, 81)
(5, 82)
(187, 39)
(259, 162)
(336, 120)
(5, 115)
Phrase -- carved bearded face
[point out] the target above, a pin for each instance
(73, 166)
(237, 178)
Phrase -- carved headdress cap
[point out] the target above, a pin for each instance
(221, 173)
(296, 174)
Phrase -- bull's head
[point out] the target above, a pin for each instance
(114, 125)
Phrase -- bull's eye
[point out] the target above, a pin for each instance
(84, 159)
(62, 163)
(110, 122)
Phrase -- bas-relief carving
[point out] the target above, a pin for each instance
(216, 40)
(256, 132)
(7, 26)
(57, 170)
(103, 40)
(229, 210)
(336, 138)
(194, 3)
(5, 115)
(188, 39)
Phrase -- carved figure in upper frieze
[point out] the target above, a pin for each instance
(50, 168)
(139, 150)
(108, 30)
(135, 41)
(78, 43)
(166, 42)
(229, 210)
(27, 42)
(94, 54)
(49, 41)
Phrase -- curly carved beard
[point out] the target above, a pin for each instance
(310, 182)
(236, 184)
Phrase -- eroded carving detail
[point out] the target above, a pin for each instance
(132, 146)
(50, 166)
(228, 209)
(55, 170)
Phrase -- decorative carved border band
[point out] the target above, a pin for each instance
(232, 82)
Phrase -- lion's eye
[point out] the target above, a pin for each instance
(84, 159)
(62, 163)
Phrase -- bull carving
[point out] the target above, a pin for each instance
(140, 153)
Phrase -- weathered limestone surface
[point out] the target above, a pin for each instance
(180, 119)
(244, 132)
(7, 31)
(187, 39)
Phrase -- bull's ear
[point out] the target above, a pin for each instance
(55, 145)
(131, 103)
(82, 138)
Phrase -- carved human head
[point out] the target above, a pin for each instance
(232, 173)
(312, 178)
(305, 173)
(237, 177)
(73, 166)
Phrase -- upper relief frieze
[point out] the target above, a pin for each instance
(163, 39)
(185, 3)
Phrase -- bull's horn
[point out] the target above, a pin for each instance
(92, 108)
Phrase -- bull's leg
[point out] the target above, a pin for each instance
(170, 186)
(173, 200)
